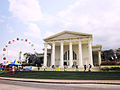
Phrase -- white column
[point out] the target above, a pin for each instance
(90, 53)
(45, 55)
(71, 54)
(53, 54)
(80, 62)
(61, 54)
(99, 57)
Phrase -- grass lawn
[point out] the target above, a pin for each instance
(2, 72)
(69, 75)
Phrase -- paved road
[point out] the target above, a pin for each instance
(16, 85)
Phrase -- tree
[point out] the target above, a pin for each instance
(32, 58)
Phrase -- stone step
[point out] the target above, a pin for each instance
(68, 69)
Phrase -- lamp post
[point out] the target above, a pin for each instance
(20, 57)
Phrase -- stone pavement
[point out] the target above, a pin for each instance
(116, 82)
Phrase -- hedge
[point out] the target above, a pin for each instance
(110, 69)
(110, 63)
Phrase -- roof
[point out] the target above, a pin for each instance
(97, 48)
(76, 34)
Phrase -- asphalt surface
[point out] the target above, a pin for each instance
(17, 85)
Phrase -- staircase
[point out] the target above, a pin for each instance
(94, 69)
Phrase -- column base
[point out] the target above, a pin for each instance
(69, 66)
(61, 66)
(44, 66)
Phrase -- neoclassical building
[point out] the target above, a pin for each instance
(71, 48)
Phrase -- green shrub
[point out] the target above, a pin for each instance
(110, 63)
(110, 69)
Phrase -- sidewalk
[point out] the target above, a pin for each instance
(116, 82)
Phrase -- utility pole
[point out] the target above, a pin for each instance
(20, 57)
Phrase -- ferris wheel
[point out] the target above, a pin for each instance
(15, 49)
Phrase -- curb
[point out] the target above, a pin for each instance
(60, 82)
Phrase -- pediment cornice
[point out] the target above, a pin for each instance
(68, 35)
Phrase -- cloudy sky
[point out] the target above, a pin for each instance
(37, 19)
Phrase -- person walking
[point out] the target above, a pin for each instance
(38, 68)
(13, 70)
(65, 68)
(89, 67)
(84, 68)
(77, 68)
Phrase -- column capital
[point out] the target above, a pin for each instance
(70, 42)
(89, 42)
(53, 41)
(45, 43)
(61, 43)
(79, 40)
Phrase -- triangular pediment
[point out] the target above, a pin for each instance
(66, 35)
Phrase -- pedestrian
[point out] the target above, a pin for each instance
(52, 66)
(72, 65)
(65, 68)
(84, 68)
(38, 68)
(2, 68)
(89, 67)
(13, 70)
(77, 68)
(44, 68)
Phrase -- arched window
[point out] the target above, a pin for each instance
(66, 55)
(74, 56)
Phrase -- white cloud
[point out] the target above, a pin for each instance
(29, 12)
(38, 48)
(1, 20)
(88, 16)
(49, 20)
(34, 31)
(48, 33)
(26, 10)
(98, 17)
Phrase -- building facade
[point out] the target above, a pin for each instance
(71, 48)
